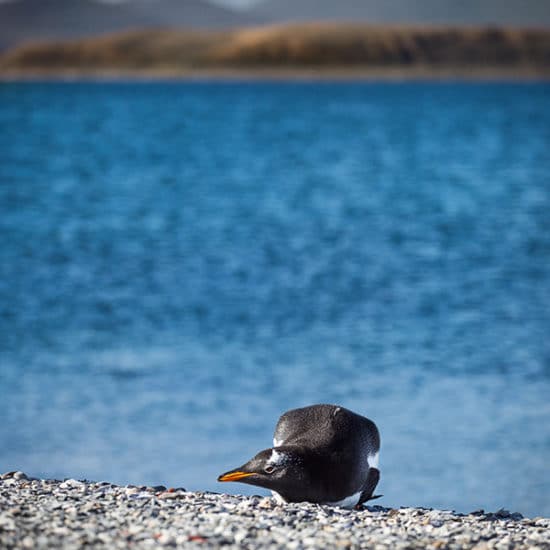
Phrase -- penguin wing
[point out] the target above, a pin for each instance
(370, 484)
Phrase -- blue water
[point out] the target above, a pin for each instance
(182, 262)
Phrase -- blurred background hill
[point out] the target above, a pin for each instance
(318, 47)
(32, 20)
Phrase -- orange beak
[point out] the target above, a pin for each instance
(234, 476)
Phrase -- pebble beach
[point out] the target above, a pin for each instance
(38, 513)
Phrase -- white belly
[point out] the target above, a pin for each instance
(278, 497)
(348, 502)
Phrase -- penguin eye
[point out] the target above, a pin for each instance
(269, 469)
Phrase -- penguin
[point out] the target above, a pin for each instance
(324, 454)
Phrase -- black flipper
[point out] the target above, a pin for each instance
(370, 484)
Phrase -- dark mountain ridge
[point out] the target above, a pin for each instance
(528, 13)
(37, 20)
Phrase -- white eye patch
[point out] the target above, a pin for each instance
(278, 459)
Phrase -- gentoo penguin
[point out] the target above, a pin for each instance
(322, 453)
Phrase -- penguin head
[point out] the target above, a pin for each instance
(279, 469)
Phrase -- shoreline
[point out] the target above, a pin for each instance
(291, 74)
(37, 513)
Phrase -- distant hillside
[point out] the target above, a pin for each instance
(306, 46)
(32, 20)
(442, 12)
(37, 20)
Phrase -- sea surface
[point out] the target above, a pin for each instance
(182, 262)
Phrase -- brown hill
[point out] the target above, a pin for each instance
(312, 46)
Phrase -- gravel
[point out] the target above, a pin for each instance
(38, 513)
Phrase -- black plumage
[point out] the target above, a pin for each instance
(322, 453)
